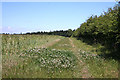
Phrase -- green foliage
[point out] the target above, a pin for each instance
(66, 33)
(104, 29)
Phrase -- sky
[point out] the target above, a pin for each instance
(24, 17)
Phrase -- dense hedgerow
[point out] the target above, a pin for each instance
(103, 29)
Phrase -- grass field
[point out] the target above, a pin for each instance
(47, 56)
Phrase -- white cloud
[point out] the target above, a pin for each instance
(9, 27)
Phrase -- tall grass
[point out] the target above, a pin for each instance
(23, 57)
(14, 44)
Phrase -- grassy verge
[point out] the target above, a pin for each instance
(81, 46)
(98, 66)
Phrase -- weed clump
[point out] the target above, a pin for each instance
(51, 58)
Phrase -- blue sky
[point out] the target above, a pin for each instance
(48, 16)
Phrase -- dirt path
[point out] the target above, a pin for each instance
(84, 72)
(71, 42)
(50, 43)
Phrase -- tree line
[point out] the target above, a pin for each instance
(103, 29)
(66, 33)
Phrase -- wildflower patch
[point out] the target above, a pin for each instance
(51, 58)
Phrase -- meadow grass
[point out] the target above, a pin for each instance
(64, 44)
(13, 44)
(24, 57)
(81, 46)
(98, 66)
(41, 63)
